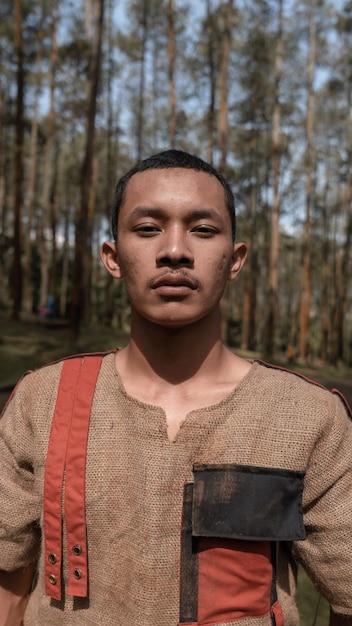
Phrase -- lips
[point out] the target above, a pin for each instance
(176, 283)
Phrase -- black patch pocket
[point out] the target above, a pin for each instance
(244, 502)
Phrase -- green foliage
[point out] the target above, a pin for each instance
(31, 344)
(313, 609)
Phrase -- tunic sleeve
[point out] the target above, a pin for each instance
(20, 505)
(326, 554)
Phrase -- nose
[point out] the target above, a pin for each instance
(175, 247)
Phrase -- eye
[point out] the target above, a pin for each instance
(147, 230)
(204, 230)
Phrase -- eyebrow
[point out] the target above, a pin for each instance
(157, 212)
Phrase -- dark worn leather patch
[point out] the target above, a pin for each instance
(189, 562)
(250, 503)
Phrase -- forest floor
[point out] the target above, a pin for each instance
(30, 344)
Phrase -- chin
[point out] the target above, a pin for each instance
(173, 316)
(174, 322)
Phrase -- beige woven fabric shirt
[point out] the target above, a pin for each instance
(135, 479)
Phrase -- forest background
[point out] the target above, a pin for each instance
(261, 89)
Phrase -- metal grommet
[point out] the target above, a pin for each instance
(52, 558)
(77, 573)
(77, 549)
(52, 579)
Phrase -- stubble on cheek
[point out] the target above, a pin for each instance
(224, 268)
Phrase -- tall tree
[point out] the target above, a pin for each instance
(212, 79)
(32, 174)
(18, 194)
(306, 281)
(3, 207)
(171, 57)
(224, 127)
(344, 236)
(47, 220)
(82, 265)
(223, 85)
(141, 91)
(273, 282)
(253, 153)
(111, 152)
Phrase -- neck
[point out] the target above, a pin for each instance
(175, 354)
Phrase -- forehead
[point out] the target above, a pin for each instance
(174, 187)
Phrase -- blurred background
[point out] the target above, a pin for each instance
(261, 89)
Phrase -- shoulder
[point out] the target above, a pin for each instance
(299, 393)
(39, 387)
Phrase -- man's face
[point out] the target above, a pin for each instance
(174, 247)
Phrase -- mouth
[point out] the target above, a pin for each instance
(174, 284)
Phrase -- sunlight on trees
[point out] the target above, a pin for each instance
(262, 89)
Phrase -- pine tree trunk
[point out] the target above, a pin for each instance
(140, 108)
(110, 157)
(65, 262)
(82, 265)
(250, 277)
(53, 229)
(342, 279)
(48, 177)
(2, 201)
(224, 70)
(18, 194)
(223, 131)
(27, 270)
(212, 84)
(171, 58)
(306, 282)
(324, 317)
(273, 283)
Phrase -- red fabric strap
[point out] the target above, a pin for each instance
(277, 614)
(67, 449)
(76, 479)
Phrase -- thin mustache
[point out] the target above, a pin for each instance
(191, 281)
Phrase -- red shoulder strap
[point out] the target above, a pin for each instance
(67, 451)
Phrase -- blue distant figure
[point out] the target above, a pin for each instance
(47, 311)
(51, 307)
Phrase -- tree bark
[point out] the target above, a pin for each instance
(46, 205)
(82, 265)
(342, 278)
(3, 208)
(65, 258)
(29, 207)
(325, 275)
(140, 108)
(212, 83)
(306, 281)
(224, 70)
(273, 282)
(171, 58)
(18, 194)
(250, 277)
(53, 229)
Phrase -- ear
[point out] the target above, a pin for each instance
(108, 255)
(238, 260)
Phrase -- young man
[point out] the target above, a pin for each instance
(207, 476)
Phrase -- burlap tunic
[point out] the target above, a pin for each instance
(135, 480)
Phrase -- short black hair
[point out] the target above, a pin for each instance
(167, 160)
